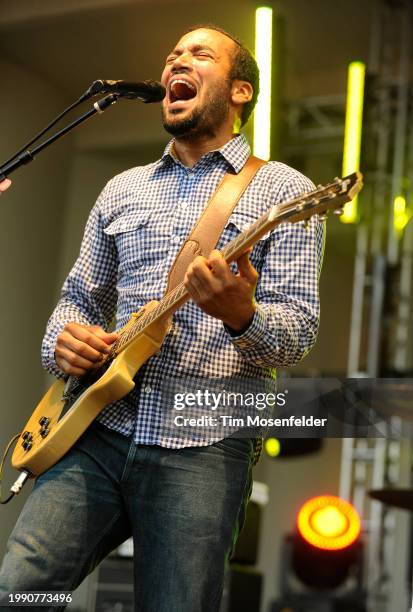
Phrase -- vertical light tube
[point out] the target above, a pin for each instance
(263, 55)
(401, 215)
(353, 129)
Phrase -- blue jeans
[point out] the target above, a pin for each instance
(184, 509)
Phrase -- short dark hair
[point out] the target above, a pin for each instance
(244, 67)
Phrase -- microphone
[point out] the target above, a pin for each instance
(147, 91)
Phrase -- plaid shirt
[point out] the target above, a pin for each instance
(132, 237)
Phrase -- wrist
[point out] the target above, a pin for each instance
(241, 323)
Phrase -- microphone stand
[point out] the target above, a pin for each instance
(29, 154)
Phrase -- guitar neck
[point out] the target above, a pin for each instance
(319, 201)
(178, 296)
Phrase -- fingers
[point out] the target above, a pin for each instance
(5, 184)
(80, 348)
(213, 276)
(71, 363)
(94, 337)
(246, 269)
(218, 265)
(67, 368)
(200, 280)
(108, 338)
(220, 293)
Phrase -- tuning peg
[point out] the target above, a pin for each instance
(339, 211)
(322, 216)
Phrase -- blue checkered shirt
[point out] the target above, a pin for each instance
(132, 237)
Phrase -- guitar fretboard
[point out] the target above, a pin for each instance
(179, 295)
(331, 196)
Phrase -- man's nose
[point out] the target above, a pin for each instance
(183, 61)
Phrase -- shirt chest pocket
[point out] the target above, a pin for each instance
(237, 224)
(132, 238)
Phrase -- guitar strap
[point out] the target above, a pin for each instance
(210, 225)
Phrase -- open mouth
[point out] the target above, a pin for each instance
(181, 91)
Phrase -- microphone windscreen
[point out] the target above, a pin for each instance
(147, 91)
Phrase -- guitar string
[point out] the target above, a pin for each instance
(174, 296)
(284, 210)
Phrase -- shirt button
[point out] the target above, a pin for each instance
(147, 389)
(176, 239)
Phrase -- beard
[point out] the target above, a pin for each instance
(202, 121)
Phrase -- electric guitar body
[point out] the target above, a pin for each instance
(62, 417)
(67, 409)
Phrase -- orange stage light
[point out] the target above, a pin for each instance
(328, 523)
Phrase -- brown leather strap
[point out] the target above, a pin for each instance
(210, 225)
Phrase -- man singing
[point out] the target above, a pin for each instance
(182, 499)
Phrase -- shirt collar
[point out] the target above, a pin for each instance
(235, 152)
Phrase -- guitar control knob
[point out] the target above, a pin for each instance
(44, 432)
(27, 445)
(26, 435)
(44, 421)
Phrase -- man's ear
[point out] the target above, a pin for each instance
(241, 92)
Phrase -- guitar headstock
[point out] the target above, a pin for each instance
(320, 201)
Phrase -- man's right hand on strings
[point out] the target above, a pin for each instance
(80, 348)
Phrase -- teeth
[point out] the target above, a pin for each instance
(184, 82)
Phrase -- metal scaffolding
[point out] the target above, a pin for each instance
(383, 266)
(381, 339)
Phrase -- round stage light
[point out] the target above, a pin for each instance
(272, 447)
(328, 522)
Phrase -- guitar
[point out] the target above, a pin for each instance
(68, 408)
